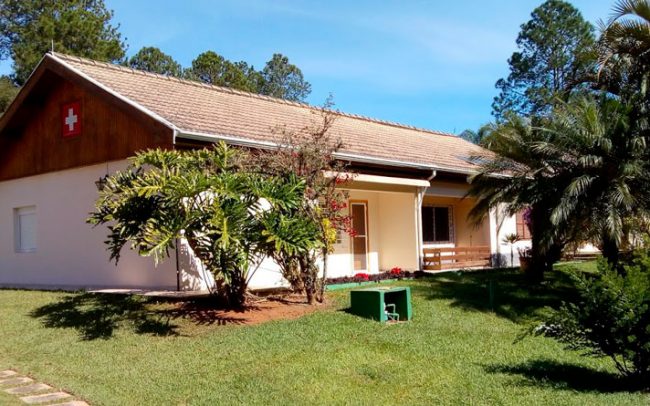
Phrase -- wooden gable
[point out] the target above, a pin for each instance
(34, 141)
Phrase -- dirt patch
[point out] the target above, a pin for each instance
(256, 312)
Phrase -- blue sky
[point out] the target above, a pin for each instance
(431, 64)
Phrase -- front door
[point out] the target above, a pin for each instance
(359, 212)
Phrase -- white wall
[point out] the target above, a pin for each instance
(392, 234)
(398, 237)
(508, 226)
(70, 253)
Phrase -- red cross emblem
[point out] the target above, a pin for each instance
(71, 119)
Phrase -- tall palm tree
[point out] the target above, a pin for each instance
(625, 71)
(582, 172)
(517, 176)
(625, 49)
(606, 169)
(627, 32)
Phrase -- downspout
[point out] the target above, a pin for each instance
(178, 268)
(418, 216)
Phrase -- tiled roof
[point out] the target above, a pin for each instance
(199, 108)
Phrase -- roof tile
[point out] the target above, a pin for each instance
(202, 108)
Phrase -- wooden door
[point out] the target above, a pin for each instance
(359, 212)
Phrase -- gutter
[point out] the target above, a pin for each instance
(418, 218)
(233, 140)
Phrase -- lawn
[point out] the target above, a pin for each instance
(457, 350)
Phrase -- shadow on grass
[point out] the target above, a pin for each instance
(512, 296)
(559, 375)
(99, 315)
(204, 313)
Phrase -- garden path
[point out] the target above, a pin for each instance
(35, 393)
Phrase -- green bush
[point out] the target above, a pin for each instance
(610, 317)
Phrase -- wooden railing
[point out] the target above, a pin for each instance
(436, 259)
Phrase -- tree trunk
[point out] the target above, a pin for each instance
(309, 277)
(311, 298)
(535, 270)
(321, 293)
(610, 251)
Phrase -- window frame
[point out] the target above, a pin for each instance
(18, 229)
(451, 225)
(521, 228)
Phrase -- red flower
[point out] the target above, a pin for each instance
(396, 271)
(362, 276)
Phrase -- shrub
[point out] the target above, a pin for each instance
(611, 317)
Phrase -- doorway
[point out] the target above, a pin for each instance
(359, 214)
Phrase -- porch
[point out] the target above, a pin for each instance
(449, 239)
(410, 224)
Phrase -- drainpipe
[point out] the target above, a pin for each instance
(178, 268)
(418, 217)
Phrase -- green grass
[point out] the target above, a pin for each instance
(457, 350)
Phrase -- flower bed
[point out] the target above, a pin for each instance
(365, 278)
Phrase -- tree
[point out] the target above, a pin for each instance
(605, 165)
(212, 199)
(212, 68)
(77, 27)
(577, 171)
(609, 317)
(309, 153)
(153, 60)
(471, 136)
(284, 80)
(556, 58)
(475, 137)
(7, 93)
(624, 61)
(516, 177)
(511, 239)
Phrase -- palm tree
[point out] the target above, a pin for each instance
(627, 33)
(512, 240)
(624, 48)
(517, 176)
(582, 172)
(605, 160)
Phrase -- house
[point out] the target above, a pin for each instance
(76, 120)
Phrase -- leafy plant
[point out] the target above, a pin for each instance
(230, 215)
(309, 153)
(512, 240)
(611, 317)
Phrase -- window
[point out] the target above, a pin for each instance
(522, 229)
(437, 224)
(25, 229)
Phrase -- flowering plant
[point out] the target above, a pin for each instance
(362, 276)
(396, 271)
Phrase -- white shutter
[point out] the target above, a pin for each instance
(25, 229)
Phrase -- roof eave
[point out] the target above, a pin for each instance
(357, 158)
(115, 94)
